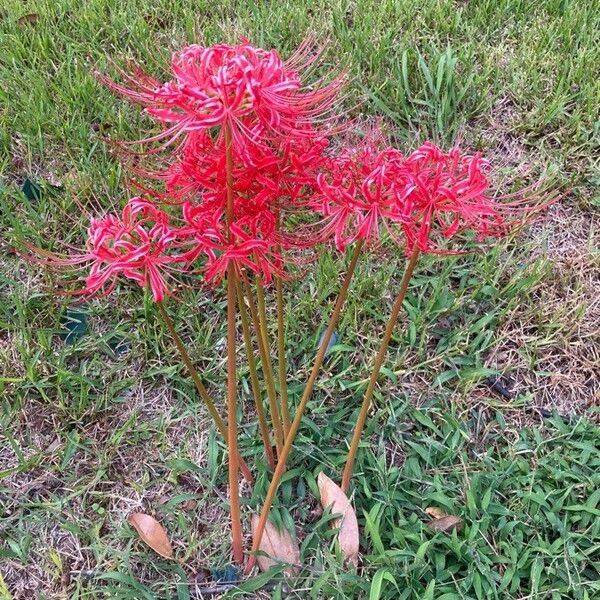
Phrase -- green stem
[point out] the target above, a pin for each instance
(385, 341)
(234, 492)
(281, 361)
(203, 393)
(265, 359)
(282, 367)
(289, 440)
(260, 409)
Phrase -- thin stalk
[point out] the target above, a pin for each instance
(310, 384)
(234, 492)
(281, 360)
(265, 359)
(203, 393)
(281, 366)
(260, 409)
(385, 341)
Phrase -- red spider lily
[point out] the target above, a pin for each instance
(279, 177)
(279, 181)
(358, 194)
(449, 194)
(251, 243)
(139, 245)
(276, 150)
(250, 89)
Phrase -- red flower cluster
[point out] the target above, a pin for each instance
(251, 242)
(359, 193)
(431, 195)
(140, 245)
(279, 181)
(450, 194)
(249, 89)
(277, 149)
(281, 163)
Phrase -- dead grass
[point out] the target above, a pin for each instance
(551, 346)
(107, 480)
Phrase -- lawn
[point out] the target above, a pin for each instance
(487, 407)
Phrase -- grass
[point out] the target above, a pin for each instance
(93, 430)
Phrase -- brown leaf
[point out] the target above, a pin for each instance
(189, 504)
(54, 446)
(435, 513)
(152, 532)
(348, 536)
(30, 19)
(447, 523)
(279, 545)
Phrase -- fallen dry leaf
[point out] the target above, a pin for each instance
(348, 535)
(54, 446)
(447, 523)
(189, 504)
(152, 532)
(280, 546)
(30, 19)
(435, 513)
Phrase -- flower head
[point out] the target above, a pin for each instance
(449, 193)
(357, 194)
(278, 177)
(280, 181)
(254, 99)
(139, 245)
(251, 90)
(251, 243)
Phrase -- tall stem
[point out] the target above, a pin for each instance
(310, 384)
(265, 359)
(281, 366)
(281, 361)
(385, 341)
(256, 391)
(234, 492)
(203, 393)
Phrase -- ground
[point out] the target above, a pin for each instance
(94, 430)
